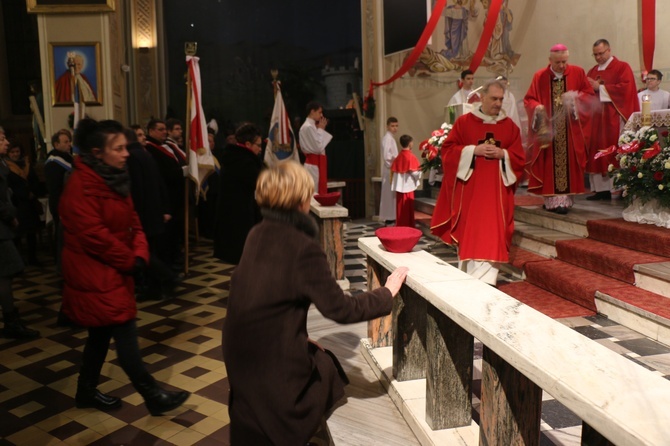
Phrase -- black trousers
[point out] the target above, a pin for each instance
(127, 350)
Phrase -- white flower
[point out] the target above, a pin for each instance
(623, 160)
(618, 175)
(667, 165)
(610, 167)
(660, 187)
(639, 175)
(653, 137)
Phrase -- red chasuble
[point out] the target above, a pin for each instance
(557, 167)
(619, 81)
(477, 214)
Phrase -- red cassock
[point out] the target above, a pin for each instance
(477, 214)
(404, 163)
(557, 167)
(619, 81)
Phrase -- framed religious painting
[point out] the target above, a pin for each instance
(76, 73)
(69, 6)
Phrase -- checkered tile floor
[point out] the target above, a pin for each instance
(180, 341)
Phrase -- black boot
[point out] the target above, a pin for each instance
(89, 397)
(15, 329)
(157, 400)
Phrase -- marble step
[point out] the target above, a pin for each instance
(571, 223)
(645, 313)
(538, 239)
(425, 205)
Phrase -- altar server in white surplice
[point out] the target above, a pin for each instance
(389, 153)
(660, 99)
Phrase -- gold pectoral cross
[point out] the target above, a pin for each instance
(489, 139)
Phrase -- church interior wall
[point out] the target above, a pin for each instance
(75, 28)
(419, 97)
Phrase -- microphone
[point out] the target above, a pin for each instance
(476, 90)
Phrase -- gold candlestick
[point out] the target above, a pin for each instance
(646, 110)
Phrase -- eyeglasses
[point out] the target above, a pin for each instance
(650, 79)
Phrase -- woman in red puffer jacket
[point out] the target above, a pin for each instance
(103, 246)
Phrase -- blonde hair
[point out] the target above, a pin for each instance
(285, 186)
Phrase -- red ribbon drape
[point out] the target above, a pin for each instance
(420, 45)
(491, 18)
(648, 33)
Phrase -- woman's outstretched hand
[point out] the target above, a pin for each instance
(396, 279)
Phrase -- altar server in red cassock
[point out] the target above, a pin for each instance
(614, 83)
(482, 159)
(406, 172)
(558, 104)
(313, 141)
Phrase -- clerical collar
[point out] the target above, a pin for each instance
(606, 64)
(557, 75)
(488, 119)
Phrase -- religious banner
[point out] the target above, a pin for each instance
(281, 140)
(201, 162)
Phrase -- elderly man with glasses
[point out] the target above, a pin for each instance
(660, 99)
(614, 84)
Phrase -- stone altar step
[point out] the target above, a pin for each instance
(640, 310)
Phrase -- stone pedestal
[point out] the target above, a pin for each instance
(511, 404)
(331, 220)
(380, 330)
(409, 335)
(450, 351)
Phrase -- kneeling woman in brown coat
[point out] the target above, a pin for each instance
(282, 384)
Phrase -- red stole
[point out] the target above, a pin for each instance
(320, 161)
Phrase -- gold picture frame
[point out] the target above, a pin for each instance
(69, 7)
(75, 60)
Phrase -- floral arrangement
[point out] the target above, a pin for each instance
(430, 148)
(643, 166)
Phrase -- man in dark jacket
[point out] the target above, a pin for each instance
(151, 204)
(57, 167)
(170, 165)
(236, 210)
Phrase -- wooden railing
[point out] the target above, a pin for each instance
(439, 312)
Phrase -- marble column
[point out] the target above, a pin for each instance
(511, 405)
(450, 352)
(380, 330)
(330, 220)
(409, 335)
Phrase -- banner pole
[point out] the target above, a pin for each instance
(190, 49)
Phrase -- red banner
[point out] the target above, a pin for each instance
(491, 18)
(648, 33)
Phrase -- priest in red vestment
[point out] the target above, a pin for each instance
(614, 83)
(558, 103)
(482, 159)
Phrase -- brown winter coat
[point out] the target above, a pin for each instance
(281, 386)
